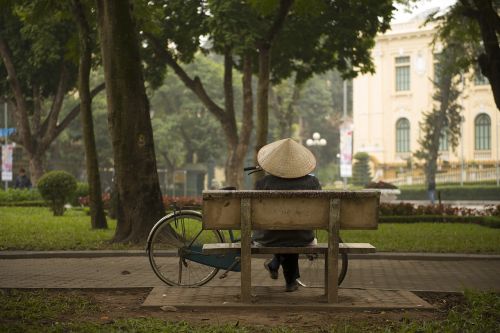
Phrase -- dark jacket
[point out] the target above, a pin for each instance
(22, 182)
(285, 237)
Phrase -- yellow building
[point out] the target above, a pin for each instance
(389, 105)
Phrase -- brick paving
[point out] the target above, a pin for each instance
(135, 271)
(274, 297)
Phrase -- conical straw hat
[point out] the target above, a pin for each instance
(286, 159)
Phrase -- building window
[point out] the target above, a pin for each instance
(403, 136)
(479, 78)
(437, 68)
(403, 73)
(443, 140)
(482, 132)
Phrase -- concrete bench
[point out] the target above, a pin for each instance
(290, 210)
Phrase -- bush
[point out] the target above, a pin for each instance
(381, 185)
(57, 187)
(452, 192)
(82, 190)
(406, 209)
(487, 221)
(182, 202)
(18, 195)
(361, 170)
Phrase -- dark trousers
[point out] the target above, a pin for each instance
(290, 265)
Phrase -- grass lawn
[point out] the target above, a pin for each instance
(34, 228)
(63, 311)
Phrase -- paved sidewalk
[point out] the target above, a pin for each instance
(432, 274)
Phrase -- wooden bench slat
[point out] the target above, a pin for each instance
(223, 248)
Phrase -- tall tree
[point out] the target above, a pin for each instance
(476, 25)
(97, 216)
(36, 75)
(443, 122)
(183, 24)
(129, 122)
(264, 45)
(320, 35)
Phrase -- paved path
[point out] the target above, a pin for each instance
(428, 273)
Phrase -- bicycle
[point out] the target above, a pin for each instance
(175, 243)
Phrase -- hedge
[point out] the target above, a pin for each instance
(487, 221)
(453, 192)
(18, 195)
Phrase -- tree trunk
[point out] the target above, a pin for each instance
(36, 165)
(130, 124)
(262, 104)
(97, 216)
(489, 23)
(36, 141)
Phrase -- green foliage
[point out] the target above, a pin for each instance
(427, 237)
(443, 121)
(452, 192)
(40, 42)
(361, 174)
(35, 228)
(31, 228)
(17, 195)
(487, 221)
(82, 190)
(69, 311)
(57, 187)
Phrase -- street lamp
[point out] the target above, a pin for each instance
(316, 140)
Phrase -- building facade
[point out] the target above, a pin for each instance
(389, 106)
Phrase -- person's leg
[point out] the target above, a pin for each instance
(272, 266)
(290, 264)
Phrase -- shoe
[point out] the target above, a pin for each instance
(290, 287)
(272, 273)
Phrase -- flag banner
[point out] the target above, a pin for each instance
(346, 149)
(7, 152)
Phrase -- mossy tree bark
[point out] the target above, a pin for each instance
(97, 216)
(130, 124)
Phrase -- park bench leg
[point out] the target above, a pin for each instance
(331, 258)
(246, 255)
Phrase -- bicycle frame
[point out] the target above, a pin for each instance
(195, 252)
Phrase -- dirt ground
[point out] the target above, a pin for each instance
(117, 304)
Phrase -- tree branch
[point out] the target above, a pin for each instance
(21, 113)
(278, 23)
(75, 111)
(194, 84)
(56, 104)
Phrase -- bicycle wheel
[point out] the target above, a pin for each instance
(312, 269)
(175, 249)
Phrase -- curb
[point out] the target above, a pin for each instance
(142, 253)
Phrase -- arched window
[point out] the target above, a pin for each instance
(482, 132)
(402, 136)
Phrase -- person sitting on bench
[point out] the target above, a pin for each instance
(288, 165)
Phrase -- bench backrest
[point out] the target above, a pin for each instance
(290, 210)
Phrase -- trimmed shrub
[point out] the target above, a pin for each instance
(452, 192)
(487, 221)
(57, 187)
(361, 170)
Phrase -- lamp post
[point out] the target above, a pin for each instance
(316, 141)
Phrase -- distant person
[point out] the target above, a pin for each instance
(431, 191)
(22, 180)
(288, 165)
